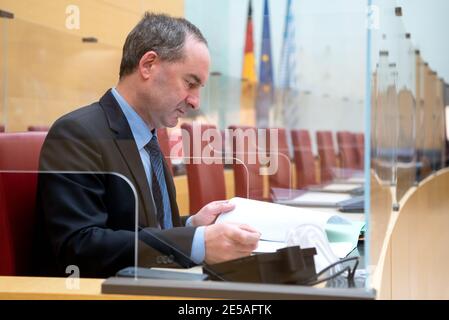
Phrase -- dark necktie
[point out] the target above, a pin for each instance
(157, 175)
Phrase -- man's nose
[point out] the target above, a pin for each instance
(193, 100)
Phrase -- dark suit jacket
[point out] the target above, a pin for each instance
(87, 215)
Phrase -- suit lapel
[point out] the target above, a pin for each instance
(127, 146)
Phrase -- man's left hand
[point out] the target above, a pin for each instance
(209, 213)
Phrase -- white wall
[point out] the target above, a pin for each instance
(331, 44)
(223, 22)
(428, 23)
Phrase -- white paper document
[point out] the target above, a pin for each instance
(274, 221)
(270, 219)
(340, 187)
(269, 246)
(359, 180)
(322, 197)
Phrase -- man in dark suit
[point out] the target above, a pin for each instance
(102, 160)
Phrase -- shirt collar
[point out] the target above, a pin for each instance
(140, 130)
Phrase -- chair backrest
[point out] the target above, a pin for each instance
(360, 149)
(248, 181)
(19, 158)
(303, 157)
(279, 151)
(2, 128)
(205, 176)
(164, 144)
(326, 152)
(347, 148)
(38, 128)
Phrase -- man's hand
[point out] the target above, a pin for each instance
(228, 241)
(209, 213)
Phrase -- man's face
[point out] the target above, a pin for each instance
(174, 87)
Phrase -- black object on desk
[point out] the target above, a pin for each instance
(290, 265)
(359, 191)
(355, 204)
(238, 290)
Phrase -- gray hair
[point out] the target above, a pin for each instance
(160, 33)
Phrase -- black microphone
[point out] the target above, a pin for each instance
(168, 247)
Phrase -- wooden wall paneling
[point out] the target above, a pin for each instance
(50, 71)
(426, 129)
(374, 114)
(384, 290)
(440, 119)
(406, 171)
(55, 74)
(4, 23)
(109, 20)
(419, 242)
(380, 217)
(420, 80)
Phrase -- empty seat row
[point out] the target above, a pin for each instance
(206, 178)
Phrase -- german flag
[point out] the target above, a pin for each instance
(249, 77)
(249, 61)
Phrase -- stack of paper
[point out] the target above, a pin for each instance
(274, 221)
(316, 199)
(339, 187)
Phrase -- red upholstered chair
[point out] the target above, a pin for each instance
(19, 155)
(304, 160)
(2, 128)
(164, 143)
(248, 181)
(347, 150)
(360, 149)
(326, 152)
(205, 176)
(38, 128)
(279, 151)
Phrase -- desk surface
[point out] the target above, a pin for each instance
(34, 288)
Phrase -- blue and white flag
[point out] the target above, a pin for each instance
(287, 113)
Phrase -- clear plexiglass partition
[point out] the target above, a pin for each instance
(317, 118)
(407, 145)
(290, 140)
(71, 232)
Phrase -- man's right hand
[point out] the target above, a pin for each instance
(228, 241)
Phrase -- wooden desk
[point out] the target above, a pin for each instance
(409, 247)
(33, 288)
(419, 239)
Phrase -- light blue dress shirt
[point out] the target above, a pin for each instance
(142, 135)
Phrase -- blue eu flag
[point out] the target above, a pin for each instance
(265, 95)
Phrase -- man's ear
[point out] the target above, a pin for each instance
(146, 63)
